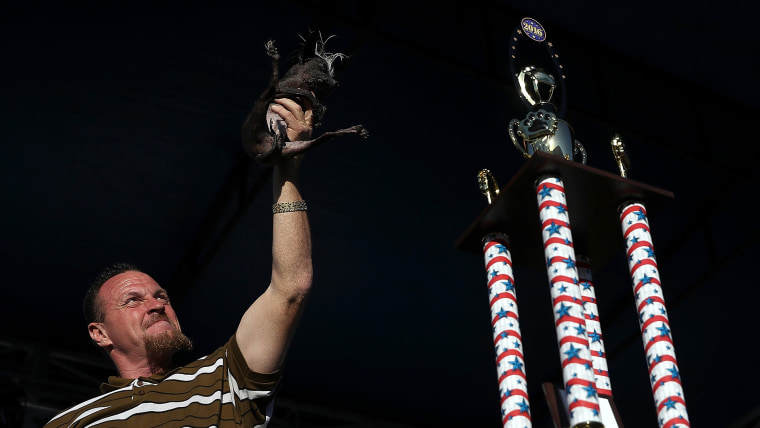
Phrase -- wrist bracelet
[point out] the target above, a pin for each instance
(287, 207)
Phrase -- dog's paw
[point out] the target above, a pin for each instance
(272, 50)
(362, 131)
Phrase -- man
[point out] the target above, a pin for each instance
(133, 321)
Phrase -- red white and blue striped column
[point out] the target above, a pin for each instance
(664, 375)
(510, 363)
(593, 327)
(567, 303)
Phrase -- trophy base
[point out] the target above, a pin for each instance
(557, 402)
(589, 425)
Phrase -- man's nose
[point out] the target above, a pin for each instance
(156, 305)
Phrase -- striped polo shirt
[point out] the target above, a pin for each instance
(217, 390)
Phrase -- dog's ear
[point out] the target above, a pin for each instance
(312, 46)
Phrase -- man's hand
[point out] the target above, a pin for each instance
(297, 118)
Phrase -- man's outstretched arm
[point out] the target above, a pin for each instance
(268, 325)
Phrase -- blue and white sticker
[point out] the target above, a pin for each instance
(533, 29)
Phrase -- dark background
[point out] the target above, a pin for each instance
(120, 142)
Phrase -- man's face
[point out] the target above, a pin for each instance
(137, 315)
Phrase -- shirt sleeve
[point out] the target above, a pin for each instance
(251, 379)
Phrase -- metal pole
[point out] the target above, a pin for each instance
(593, 327)
(664, 375)
(510, 363)
(570, 324)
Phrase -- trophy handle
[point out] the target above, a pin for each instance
(578, 148)
(512, 124)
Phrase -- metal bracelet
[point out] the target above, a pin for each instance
(287, 207)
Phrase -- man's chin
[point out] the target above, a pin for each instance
(166, 343)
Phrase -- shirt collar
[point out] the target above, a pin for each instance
(115, 382)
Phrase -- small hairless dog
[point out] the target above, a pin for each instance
(311, 78)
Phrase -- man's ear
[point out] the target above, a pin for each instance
(98, 334)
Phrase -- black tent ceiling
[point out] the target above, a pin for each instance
(120, 142)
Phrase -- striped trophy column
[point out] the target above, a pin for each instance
(664, 375)
(593, 327)
(510, 364)
(567, 302)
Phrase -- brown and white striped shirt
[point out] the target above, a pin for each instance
(217, 390)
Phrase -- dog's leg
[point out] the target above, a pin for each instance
(258, 142)
(292, 148)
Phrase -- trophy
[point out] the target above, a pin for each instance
(543, 93)
(556, 179)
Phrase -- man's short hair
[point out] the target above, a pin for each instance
(93, 312)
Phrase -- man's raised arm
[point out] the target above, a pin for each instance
(268, 325)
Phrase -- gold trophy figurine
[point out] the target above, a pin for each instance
(621, 157)
(488, 185)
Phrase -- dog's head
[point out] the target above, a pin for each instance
(312, 77)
